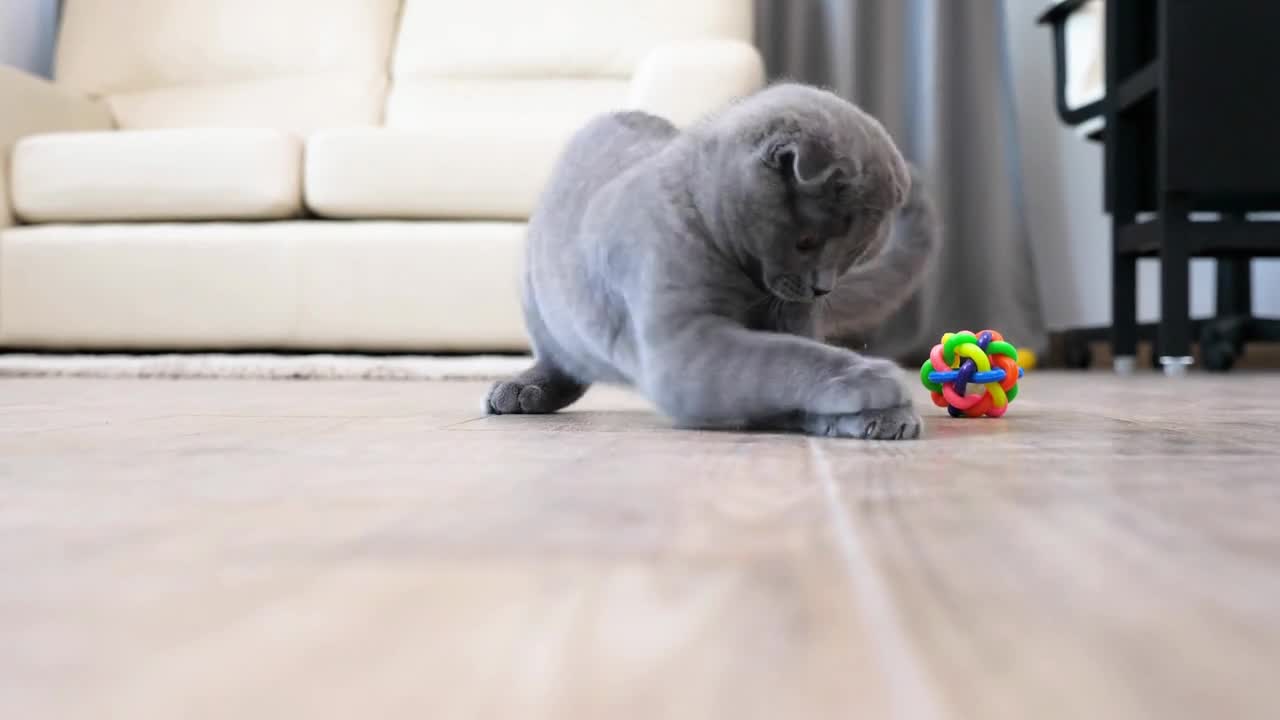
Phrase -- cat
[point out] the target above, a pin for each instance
(695, 266)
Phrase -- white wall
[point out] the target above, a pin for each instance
(26, 34)
(1069, 232)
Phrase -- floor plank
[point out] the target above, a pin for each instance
(220, 548)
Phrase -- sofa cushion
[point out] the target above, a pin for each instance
(203, 174)
(288, 64)
(495, 92)
(552, 38)
(683, 82)
(293, 284)
(494, 64)
(294, 104)
(487, 159)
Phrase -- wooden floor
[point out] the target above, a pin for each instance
(247, 550)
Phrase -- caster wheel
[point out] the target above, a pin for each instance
(1078, 355)
(1221, 342)
(1218, 356)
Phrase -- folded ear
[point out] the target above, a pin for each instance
(810, 163)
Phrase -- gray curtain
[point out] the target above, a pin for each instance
(936, 73)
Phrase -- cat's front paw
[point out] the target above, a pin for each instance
(515, 398)
(865, 384)
(900, 423)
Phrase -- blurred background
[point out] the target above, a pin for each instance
(967, 89)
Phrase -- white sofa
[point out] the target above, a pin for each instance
(317, 174)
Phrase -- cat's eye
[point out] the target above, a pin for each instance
(808, 243)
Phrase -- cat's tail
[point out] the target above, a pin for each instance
(870, 292)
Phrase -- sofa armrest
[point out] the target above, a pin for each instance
(686, 81)
(34, 105)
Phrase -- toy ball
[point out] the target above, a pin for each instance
(964, 360)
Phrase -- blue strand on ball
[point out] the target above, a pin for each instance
(981, 378)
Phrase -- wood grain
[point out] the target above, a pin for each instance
(328, 549)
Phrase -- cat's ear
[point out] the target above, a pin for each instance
(810, 163)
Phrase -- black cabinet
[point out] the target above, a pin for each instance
(1192, 125)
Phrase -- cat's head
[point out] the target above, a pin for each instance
(807, 184)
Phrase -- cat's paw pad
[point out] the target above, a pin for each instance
(513, 398)
(900, 423)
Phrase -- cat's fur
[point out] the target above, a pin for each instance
(691, 265)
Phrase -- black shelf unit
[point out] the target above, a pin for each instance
(1190, 108)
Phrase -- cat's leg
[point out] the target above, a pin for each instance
(714, 374)
(542, 388)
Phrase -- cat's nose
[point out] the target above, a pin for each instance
(823, 281)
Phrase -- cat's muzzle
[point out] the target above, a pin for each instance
(792, 288)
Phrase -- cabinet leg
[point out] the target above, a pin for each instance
(1174, 336)
(1124, 306)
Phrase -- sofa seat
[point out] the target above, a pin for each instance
(373, 286)
(148, 175)
(468, 151)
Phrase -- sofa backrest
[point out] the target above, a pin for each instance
(290, 64)
(500, 60)
(553, 38)
(300, 65)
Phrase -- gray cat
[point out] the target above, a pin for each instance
(695, 266)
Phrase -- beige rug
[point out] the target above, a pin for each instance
(263, 366)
